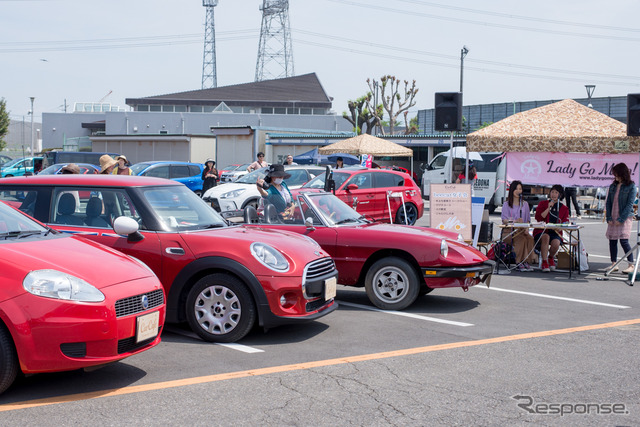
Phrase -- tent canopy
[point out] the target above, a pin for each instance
(564, 126)
(367, 144)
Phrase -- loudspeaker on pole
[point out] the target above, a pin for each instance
(448, 111)
(633, 114)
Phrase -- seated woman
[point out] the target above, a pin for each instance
(277, 193)
(516, 210)
(553, 212)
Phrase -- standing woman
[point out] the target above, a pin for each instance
(622, 193)
(209, 175)
(516, 210)
(554, 212)
(122, 168)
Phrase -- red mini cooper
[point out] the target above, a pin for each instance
(220, 278)
(67, 303)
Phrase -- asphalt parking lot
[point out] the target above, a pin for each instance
(535, 348)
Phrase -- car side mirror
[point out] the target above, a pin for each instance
(126, 226)
(352, 187)
(308, 222)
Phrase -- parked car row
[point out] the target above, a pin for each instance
(267, 272)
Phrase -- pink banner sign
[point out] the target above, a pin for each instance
(567, 169)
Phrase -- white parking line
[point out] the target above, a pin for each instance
(400, 313)
(583, 301)
(233, 346)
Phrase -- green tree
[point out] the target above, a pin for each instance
(411, 126)
(393, 101)
(360, 115)
(4, 123)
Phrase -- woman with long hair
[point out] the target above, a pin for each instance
(516, 210)
(622, 193)
(551, 211)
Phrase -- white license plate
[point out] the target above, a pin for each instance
(330, 288)
(147, 326)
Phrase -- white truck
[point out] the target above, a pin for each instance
(491, 183)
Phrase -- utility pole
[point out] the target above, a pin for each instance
(275, 51)
(32, 147)
(463, 53)
(209, 68)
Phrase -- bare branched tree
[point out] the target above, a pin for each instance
(360, 114)
(393, 102)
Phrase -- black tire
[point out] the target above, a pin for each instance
(412, 214)
(220, 308)
(392, 284)
(424, 290)
(8, 360)
(8, 176)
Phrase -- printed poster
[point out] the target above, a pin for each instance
(450, 208)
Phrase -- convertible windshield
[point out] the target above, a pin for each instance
(181, 209)
(318, 181)
(334, 210)
(13, 223)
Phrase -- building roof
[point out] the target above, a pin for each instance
(298, 91)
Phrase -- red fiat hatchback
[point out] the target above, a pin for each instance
(220, 278)
(66, 303)
(380, 194)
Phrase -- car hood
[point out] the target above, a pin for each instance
(234, 242)
(96, 264)
(422, 242)
(225, 188)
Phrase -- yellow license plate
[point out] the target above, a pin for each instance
(330, 288)
(147, 326)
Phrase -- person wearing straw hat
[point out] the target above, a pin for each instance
(122, 168)
(107, 164)
(209, 175)
(71, 168)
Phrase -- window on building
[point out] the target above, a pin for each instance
(195, 108)
(155, 108)
(293, 111)
(208, 108)
(306, 110)
(167, 108)
(319, 111)
(267, 110)
(180, 109)
(280, 110)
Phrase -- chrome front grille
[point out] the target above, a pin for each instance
(133, 305)
(319, 268)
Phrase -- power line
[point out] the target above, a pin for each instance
(525, 18)
(485, 24)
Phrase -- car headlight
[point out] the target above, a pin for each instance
(232, 194)
(59, 285)
(444, 248)
(269, 257)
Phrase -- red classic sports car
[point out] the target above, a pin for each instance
(395, 263)
(67, 303)
(380, 194)
(221, 279)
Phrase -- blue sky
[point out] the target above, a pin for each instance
(81, 50)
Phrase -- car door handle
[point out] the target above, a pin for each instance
(175, 251)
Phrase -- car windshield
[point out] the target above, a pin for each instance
(51, 170)
(139, 167)
(318, 181)
(230, 168)
(252, 177)
(334, 210)
(181, 209)
(11, 162)
(15, 224)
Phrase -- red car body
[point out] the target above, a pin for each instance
(380, 194)
(44, 332)
(189, 246)
(395, 263)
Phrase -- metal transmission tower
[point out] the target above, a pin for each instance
(209, 74)
(275, 54)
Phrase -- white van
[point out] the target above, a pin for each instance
(491, 183)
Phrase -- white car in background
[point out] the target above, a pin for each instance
(234, 174)
(243, 192)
